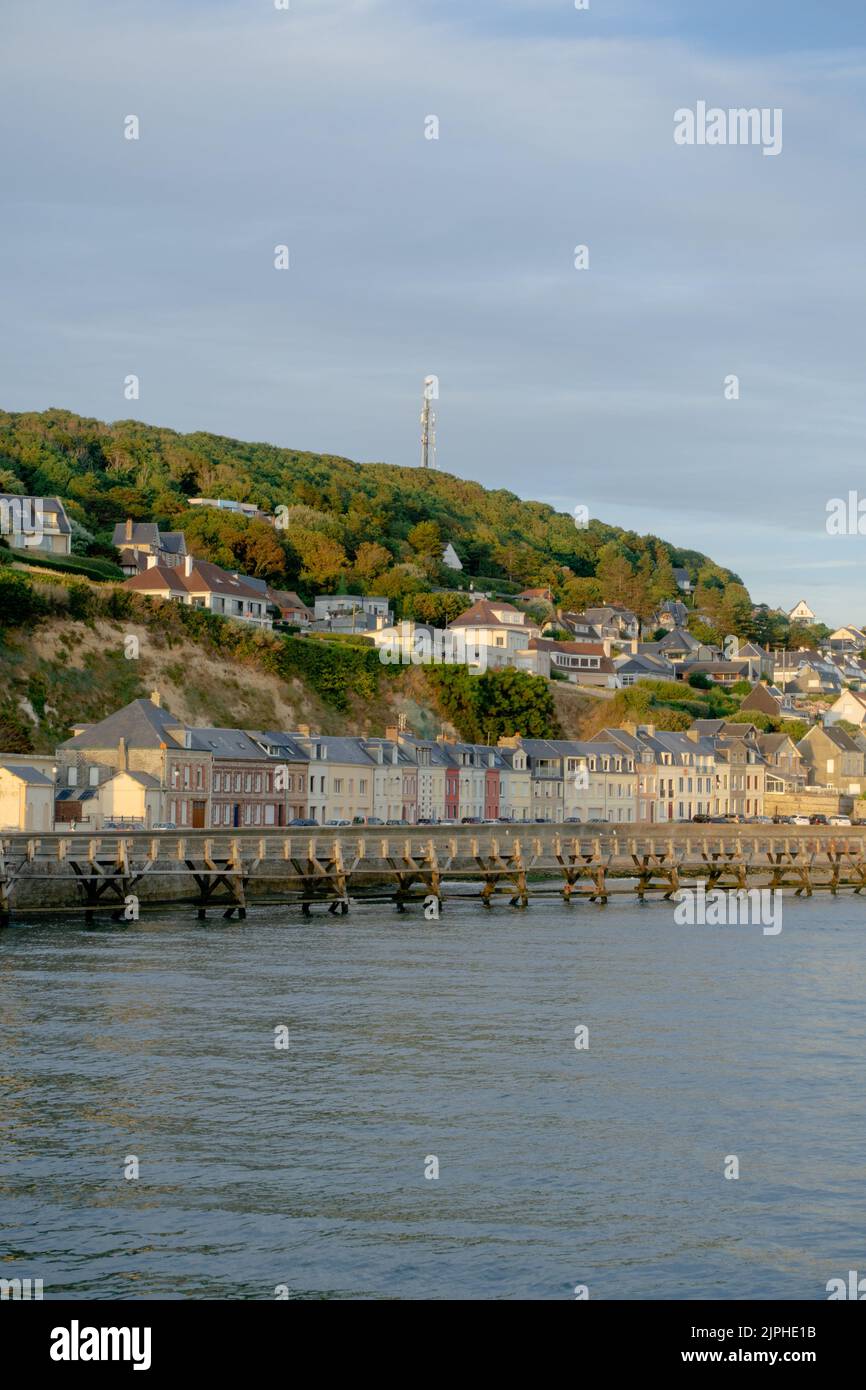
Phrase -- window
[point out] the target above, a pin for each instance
(237, 781)
(93, 776)
(258, 782)
(72, 777)
(248, 781)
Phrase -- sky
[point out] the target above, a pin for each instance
(602, 387)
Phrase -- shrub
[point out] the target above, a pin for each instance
(69, 564)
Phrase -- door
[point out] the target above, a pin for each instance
(198, 808)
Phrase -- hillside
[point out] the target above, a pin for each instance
(370, 526)
(75, 651)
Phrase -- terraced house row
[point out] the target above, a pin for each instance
(142, 767)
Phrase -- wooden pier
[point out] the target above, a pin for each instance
(122, 874)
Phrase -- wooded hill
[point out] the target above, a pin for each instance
(369, 526)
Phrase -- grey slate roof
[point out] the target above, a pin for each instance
(25, 773)
(225, 744)
(142, 724)
(51, 506)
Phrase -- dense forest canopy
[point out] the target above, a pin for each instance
(371, 526)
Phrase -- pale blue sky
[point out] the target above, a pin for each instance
(454, 256)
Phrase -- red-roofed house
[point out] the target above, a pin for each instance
(505, 632)
(199, 584)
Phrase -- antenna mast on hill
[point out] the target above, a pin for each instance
(428, 425)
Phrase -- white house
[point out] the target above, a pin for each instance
(35, 523)
(26, 799)
(199, 584)
(801, 613)
(133, 799)
(504, 631)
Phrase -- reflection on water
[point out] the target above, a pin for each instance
(304, 1167)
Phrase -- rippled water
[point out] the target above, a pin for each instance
(305, 1168)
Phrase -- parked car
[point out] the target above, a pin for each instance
(701, 817)
(301, 820)
(799, 820)
(368, 820)
(840, 820)
(470, 820)
(817, 820)
(164, 825)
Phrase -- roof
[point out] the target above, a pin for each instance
(679, 637)
(25, 773)
(144, 779)
(143, 533)
(288, 745)
(142, 724)
(485, 614)
(759, 698)
(225, 744)
(287, 598)
(205, 577)
(52, 505)
(173, 541)
(771, 743)
(844, 742)
(644, 661)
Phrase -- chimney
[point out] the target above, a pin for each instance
(392, 732)
(129, 528)
(156, 698)
(605, 646)
(188, 562)
(122, 763)
(151, 562)
(634, 646)
(649, 730)
(693, 734)
(304, 730)
(631, 729)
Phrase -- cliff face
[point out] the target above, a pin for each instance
(61, 672)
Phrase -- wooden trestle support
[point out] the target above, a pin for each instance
(229, 873)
